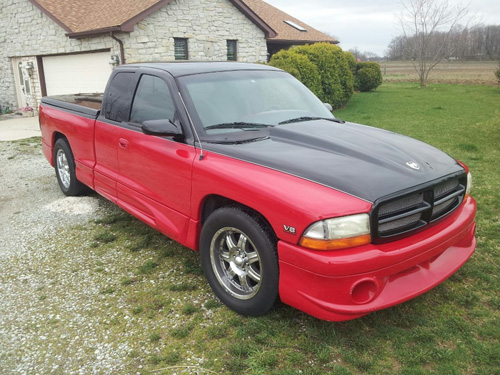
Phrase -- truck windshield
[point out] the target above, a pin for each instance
(236, 101)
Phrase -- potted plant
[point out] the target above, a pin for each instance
(27, 111)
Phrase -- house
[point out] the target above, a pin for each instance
(289, 30)
(53, 47)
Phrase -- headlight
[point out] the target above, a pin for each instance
(338, 233)
(469, 184)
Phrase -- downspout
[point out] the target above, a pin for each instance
(122, 49)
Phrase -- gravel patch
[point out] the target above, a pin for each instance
(73, 303)
(31, 203)
(35, 285)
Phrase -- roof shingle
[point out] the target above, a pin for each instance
(276, 18)
(78, 16)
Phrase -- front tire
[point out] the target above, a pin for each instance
(239, 259)
(64, 164)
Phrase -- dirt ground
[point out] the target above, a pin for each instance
(470, 72)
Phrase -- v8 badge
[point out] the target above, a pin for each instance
(289, 229)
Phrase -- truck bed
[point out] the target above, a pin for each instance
(88, 105)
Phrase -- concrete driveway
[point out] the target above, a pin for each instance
(19, 128)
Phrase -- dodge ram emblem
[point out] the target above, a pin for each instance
(413, 165)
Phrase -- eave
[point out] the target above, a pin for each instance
(259, 22)
(299, 42)
(50, 15)
(128, 26)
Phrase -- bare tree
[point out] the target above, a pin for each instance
(357, 53)
(372, 56)
(364, 56)
(396, 48)
(423, 23)
(478, 42)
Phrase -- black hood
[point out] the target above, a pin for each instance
(366, 162)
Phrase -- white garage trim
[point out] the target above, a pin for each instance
(76, 73)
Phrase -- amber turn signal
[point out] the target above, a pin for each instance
(338, 233)
(469, 186)
(342, 243)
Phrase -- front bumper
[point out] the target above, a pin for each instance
(347, 284)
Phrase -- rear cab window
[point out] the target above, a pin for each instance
(138, 94)
(117, 97)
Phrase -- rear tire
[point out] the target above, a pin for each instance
(240, 262)
(64, 164)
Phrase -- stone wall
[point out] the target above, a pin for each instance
(206, 24)
(26, 32)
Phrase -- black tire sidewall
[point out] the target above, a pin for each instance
(265, 298)
(75, 186)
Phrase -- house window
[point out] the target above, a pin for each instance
(294, 25)
(232, 50)
(181, 49)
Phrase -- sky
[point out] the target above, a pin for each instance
(369, 25)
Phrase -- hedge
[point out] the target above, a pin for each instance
(336, 83)
(301, 68)
(353, 63)
(368, 76)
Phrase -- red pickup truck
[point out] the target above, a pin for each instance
(244, 164)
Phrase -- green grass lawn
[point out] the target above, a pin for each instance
(154, 299)
(453, 329)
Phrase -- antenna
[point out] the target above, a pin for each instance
(192, 127)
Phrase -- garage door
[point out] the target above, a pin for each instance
(73, 74)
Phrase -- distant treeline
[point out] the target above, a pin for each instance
(469, 43)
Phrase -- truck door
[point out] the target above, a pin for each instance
(114, 113)
(154, 180)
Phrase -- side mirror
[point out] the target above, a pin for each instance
(162, 127)
(328, 106)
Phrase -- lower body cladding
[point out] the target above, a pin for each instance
(347, 284)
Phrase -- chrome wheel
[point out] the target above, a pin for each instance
(236, 263)
(63, 168)
(64, 164)
(240, 260)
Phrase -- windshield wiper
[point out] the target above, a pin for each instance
(235, 142)
(308, 118)
(238, 125)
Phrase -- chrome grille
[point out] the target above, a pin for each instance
(404, 214)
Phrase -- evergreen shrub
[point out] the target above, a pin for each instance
(368, 76)
(336, 84)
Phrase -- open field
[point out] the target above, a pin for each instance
(102, 293)
(467, 72)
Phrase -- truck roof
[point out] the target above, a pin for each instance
(184, 68)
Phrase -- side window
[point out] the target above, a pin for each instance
(152, 101)
(116, 106)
